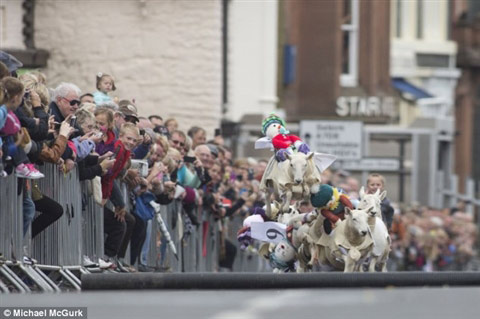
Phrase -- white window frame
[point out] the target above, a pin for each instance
(351, 78)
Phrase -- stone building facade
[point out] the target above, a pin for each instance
(164, 54)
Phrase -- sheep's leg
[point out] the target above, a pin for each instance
(306, 192)
(349, 264)
(268, 203)
(373, 262)
(383, 263)
(314, 254)
(286, 201)
(383, 267)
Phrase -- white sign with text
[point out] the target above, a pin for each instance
(340, 138)
(372, 164)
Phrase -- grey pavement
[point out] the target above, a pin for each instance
(386, 303)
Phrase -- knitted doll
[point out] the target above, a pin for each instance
(331, 204)
(277, 136)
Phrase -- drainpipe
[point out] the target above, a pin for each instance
(224, 55)
(28, 23)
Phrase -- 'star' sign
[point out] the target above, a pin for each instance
(340, 138)
(371, 106)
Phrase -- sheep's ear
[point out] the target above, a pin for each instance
(377, 193)
(309, 156)
(288, 156)
(348, 211)
(362, 192)
(383, 195)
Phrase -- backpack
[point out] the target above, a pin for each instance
(12, 124)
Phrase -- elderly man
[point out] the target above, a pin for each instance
(203, 153)
(65, 101)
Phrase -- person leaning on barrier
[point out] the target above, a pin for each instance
(49, 209)
(114, 221)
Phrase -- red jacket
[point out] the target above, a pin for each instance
(284, 141)
(120, 160)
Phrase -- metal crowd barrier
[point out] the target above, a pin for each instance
(61, 242)
(198, 248)
(246, 260)
(60, 248)
(11, 219)
(92, 225)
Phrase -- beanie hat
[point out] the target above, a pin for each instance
(272, 118)
(323, 196)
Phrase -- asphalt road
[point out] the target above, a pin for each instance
(276, 304)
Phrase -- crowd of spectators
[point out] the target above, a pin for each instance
(423, 239)
(111, 144)
(108, 141)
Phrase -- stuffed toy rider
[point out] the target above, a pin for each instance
(273, 127)
(331, 204)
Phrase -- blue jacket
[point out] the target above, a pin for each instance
(101, 98)
(3, 118)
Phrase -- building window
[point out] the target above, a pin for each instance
(349, 27)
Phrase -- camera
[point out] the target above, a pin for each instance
(162, 130)
(57, 126)
(141, 165)
(217, 132)
(73, 121)
(142, 132)
(189, 159)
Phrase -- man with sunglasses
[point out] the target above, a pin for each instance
(177, 141)
(65, 101)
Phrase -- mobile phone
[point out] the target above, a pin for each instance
(250, 174)
(57, 126)
(73, 121)
(142, 132)
(189, 159)
(239, 178)
(99, 134)
(218, 132)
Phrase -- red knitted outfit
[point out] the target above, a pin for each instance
(120, 161)
(339, 212)
(282, 141)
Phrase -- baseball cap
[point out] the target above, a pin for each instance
(128, 109)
